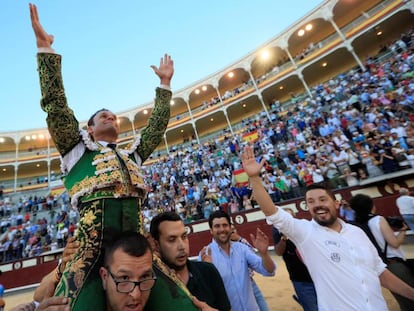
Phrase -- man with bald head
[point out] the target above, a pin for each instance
(405, 203)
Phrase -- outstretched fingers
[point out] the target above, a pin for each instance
(206, 254)
(166, 60)
(248, 152)
(43, 39)
(33, 12)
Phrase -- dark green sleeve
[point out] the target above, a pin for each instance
(153, 133)
(62, 124)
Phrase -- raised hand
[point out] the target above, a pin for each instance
(250, 165)
(166, 69)
(260, 241)
(43, 39)
(206, 255)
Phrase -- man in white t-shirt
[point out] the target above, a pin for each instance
(405, 204)
(343, 263)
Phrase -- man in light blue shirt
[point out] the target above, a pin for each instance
(233, 261)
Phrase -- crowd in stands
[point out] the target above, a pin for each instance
(34, 224)
(357, 125)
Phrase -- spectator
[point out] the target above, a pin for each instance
(233, 259)
(261, 301)
(350, 178)
(337, 285)
(2, 302)
(298, 273)
(200, 278)
(405, 204)
(247, 203)
(346, 212)
(387, 243)
(371, 164)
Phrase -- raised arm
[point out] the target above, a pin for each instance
(252, 169)
(153, 133)
(62, 124)
(261, 242)
(43, 39)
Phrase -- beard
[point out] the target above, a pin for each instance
(173, 265)
(326, 221)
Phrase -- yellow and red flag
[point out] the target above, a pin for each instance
(251, 136)
(241, 177)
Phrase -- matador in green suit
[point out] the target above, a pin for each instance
(104, 181)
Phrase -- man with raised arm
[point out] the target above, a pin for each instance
(344, 265)
(103, 180)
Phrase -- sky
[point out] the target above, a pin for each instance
(108, 46)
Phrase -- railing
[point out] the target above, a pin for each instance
(28, 271)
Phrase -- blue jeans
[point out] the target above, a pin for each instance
(409, 220)
(261, 301)
(306, 293)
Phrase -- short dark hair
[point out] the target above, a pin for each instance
(320, 187)
(218, 214)
(157, 220)
(362, 204)
(91, 121)
(132, 243)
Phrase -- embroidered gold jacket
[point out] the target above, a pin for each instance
(98, 172)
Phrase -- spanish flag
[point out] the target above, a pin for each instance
(240, 177)
(251, 136)
(55, 192)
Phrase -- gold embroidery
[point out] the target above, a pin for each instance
(109, 176)
(76, 266)
(88, 218)
(170, 273)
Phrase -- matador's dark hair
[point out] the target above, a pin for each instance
(91, 121)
